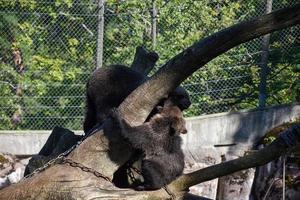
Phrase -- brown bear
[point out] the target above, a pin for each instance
(160, 143)
(109, 86)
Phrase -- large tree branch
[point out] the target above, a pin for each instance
(288, 140)
(188, 61)
(59, 181)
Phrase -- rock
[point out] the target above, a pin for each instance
(11, 169)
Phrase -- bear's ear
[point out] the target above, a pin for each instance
(159, 109)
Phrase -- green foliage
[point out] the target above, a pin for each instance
(57, 41)
(57, 52)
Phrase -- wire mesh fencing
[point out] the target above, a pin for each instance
(48, 50)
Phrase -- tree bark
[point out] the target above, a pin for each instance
(274, 150)
(66, 182)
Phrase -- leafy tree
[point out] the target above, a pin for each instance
(57, 43)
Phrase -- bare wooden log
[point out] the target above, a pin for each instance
(65, 182)
(288, 140)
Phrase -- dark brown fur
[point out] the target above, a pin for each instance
(159, 140)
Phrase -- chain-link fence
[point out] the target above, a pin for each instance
(48, 50)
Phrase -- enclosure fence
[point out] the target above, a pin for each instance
(48, 49)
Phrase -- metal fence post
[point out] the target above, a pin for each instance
(153, 24)
(100, 34)
(264, 62)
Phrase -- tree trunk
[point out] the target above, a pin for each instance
(62, 181)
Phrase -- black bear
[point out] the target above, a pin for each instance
(108, 87)
(159, 141)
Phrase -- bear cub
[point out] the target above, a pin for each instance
(159, 141)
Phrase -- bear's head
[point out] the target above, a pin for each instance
(175, 117)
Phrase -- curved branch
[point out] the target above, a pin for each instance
(287, 140)
(188, 61)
